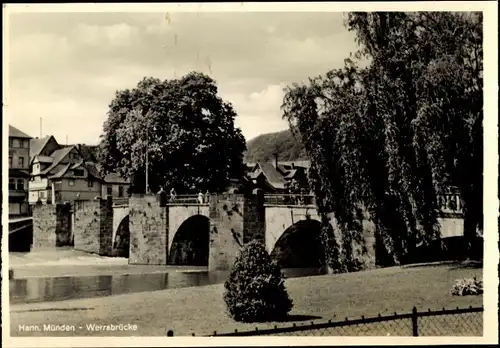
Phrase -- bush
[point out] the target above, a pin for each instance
(467, 286)
(255, 289)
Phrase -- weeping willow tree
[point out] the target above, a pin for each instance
(388, 136)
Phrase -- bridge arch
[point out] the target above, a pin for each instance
(300, 246)
(191, 242)
(121, 238)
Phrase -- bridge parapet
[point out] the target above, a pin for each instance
(449, 203)
(120, 201)
(292, 200)
(188, 199)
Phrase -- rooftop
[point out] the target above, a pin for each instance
(16, 133)
(37, 145)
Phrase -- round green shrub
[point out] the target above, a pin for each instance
(255, 289)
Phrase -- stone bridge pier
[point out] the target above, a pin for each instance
(208, 234)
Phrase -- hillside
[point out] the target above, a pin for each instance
(264, 146)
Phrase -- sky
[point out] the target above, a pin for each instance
(66, 67)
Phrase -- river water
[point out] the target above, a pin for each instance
(32, 290)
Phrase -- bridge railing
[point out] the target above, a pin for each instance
(192, 199)
(448, 202)
(289, 199)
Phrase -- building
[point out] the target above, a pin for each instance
(60, 173)
(115, 186)
(279, 177)
(19, 155)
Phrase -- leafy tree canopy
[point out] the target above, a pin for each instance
(391, 134)
(187, 129)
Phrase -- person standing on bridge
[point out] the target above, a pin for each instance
(200, 197)
(207, 196)
(172, 195)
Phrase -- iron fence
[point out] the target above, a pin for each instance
(445, 322)
(290, 199)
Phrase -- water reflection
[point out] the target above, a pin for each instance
(32, 290)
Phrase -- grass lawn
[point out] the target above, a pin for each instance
(201, 310)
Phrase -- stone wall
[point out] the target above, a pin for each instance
(148, 225)
(254, 217)
(235, 219)
(51, 226)
(93, 226)
(280, 217)
(226, 230)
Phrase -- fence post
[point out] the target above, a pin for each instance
(414, 321)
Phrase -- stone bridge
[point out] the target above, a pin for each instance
(186, 232)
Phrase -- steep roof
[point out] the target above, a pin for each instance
(63, 169)
(58, 156)
(77, 164)
(291, 174)
(61, 172)
(16, 133)
(45, 159)
(37, 145)
(274, 177)
(92, 169)
(303, 164)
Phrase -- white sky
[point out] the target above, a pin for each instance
(66, 67)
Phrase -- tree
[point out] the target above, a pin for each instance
(390, 136)
(255, 290)
(186, 128)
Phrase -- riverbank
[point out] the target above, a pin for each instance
(70, 262)
(201, 310)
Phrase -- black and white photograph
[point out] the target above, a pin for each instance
(226, 170)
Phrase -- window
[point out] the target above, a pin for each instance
(120, 191)
(90, 183)
(26, 143)
(78, 172)
(109, 190)
(20, 184)
(71, 182)
(11, 142)
(10, 161)
(16, 143)
(41, 194)
(12, 184)
(20, 162)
